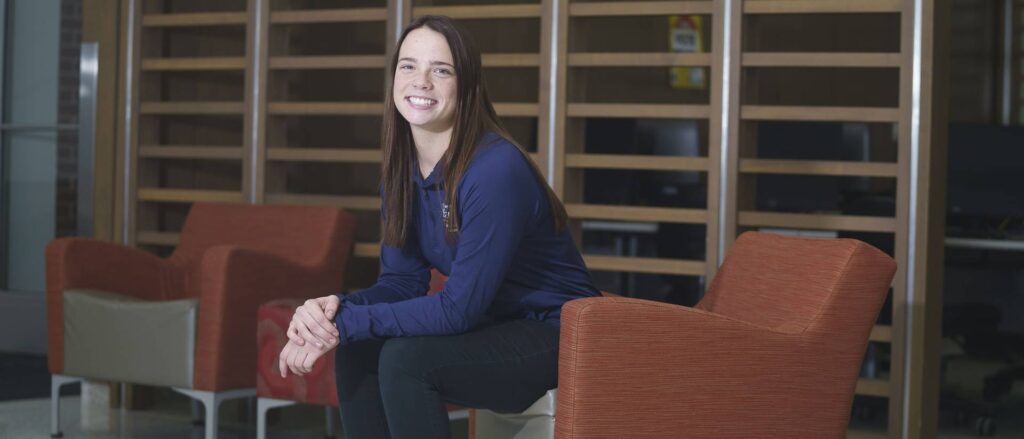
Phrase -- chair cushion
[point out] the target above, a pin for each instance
(118, 338)
(536, 422)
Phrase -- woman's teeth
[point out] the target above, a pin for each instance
(422, 101)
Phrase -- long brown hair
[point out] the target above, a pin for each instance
(474, 116)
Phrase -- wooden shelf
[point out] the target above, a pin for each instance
(639, 59)
(329, 16)
(193, 64)
(872, 387)
(641, 8)
(481, 12)
(167, 239)
(352, 202)
(324, 155)
(517, 109)
(636, 162)
(653, 111)
(510, 59)
(326, 108)
(819, 167)
(327, 62)
(812, 59)
(817, 221)
(190, 152)
(192, 108)
(679, 267)
(820, 6)
(631, 213)
(811, 113)
(193, 19)
(188, 195)
(366, 250)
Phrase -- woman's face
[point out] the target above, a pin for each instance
(425, 82)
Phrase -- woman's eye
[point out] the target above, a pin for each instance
(443, 72)
(405, 67)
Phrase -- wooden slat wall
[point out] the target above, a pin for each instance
(1017, 64)
(602, 80)
(783, 48)
(189, 97)
(216, 111)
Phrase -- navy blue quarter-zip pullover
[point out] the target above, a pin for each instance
(507, 263)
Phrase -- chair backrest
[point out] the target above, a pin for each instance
(305, 234)
(789, 284)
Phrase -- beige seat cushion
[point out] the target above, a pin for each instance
(536, 422)
(118, 338)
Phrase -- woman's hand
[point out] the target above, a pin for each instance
(299, 359)
(313, 323)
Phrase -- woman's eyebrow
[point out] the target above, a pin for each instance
(433, 63)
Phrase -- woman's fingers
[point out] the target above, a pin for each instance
(293, 334)
(282, 360)
(310, 328)
(317, 309)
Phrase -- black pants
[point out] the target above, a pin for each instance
(398, 388)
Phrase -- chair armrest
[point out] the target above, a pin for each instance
(82, 263)
(635, 368)
(231, 283)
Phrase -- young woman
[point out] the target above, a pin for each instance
(458, 195)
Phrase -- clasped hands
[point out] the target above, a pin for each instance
(311, 334)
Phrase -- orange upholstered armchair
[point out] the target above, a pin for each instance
(187, 321)
(773, 350)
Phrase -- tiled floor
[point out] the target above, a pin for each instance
(30, 419)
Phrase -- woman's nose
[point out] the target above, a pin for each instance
(421, 81)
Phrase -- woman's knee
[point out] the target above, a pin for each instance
(404, 358)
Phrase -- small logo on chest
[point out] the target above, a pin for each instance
(444, 212)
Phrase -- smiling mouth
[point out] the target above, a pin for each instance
(420, 102)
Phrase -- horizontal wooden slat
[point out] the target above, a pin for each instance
(195, 19)
(639, 59)
(324, 155)
(817, 59)
(190, 152)
(169, 239)
(367, 250)
(663, 111)
(327, 62)
(188, 195)
(881, 333)
(197, 63)
(510, 59)
(353, 202)
(326, 108)
(872, 387)
(678, 267)
(329, 15)
(481, 11)
(192, 108)
(820, 6)
(517, 109)
(817, 221)
(641, 8)
(836, 114)
(638, 162)
(631, 213)
(819, 167)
